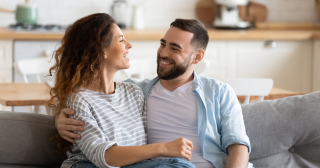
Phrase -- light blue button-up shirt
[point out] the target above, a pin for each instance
(220, 120)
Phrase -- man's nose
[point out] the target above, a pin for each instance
(164, 52)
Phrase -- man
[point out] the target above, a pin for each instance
(182, 104)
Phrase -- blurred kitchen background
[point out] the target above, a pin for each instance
(274, 39)
(156, 13)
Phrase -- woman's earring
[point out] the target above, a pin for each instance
(91, 67)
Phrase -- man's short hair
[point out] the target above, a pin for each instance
(200, 35)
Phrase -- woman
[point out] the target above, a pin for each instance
(92, 51)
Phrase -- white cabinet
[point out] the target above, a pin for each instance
(31, 50)
(217, 55)
(316, 66)
(6, 60)
(289, 63)
(6, 65)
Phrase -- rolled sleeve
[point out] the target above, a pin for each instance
(93, 142)
(232, 125)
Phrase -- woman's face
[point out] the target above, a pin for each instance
(116, 54)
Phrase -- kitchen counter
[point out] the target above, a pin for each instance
(262, 32)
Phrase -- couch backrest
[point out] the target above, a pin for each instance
(25, 140)
(284, 132)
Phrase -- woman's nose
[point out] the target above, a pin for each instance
(129, 45)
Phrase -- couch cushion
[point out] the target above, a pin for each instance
(25, 140)
(25, 166)
(284, 132)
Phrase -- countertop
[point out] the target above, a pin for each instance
(264, 31)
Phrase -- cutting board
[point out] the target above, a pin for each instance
(205, 11)
(253, 12)
(318, 6)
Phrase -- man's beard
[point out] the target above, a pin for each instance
(175, 72)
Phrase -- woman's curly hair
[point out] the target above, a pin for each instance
(79, 61)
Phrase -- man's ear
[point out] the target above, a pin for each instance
(199, 56)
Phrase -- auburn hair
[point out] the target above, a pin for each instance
(79, 61)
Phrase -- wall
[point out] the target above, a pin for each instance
(157, 13)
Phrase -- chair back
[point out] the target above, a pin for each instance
(250, 87)
(33, 67)
(140, 69)
(201, 67)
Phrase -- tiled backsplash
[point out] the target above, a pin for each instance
(157, 13)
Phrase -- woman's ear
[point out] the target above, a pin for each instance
(199, 56)
(105, 54)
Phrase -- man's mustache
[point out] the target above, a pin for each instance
(167, 59)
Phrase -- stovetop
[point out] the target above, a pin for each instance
(37, 28)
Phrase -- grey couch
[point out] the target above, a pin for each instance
(283, 133)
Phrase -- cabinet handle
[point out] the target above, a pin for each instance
(270, 44)
(47, 53)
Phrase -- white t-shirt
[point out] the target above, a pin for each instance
(172, 115)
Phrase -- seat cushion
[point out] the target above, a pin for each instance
(25, 140)
(284, 132)
(25, 166)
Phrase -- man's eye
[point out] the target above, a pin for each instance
(175, 49)
(162, 44)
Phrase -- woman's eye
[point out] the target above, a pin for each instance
(121, 40)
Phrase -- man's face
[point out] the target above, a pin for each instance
(175, 54)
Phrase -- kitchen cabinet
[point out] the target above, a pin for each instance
(217, 55)
(316, 65)
(6, 60)
(288, 63)
(6, 65)
(32, 50)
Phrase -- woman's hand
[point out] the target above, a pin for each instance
(65, 125)
(178, 148)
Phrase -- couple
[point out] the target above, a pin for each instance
(187, 120)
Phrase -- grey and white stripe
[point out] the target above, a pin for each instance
(110, 119)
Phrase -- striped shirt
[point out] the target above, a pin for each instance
(110, 119)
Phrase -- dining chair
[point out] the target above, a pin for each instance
(201, 67)
(250, 87)
(140, 69)
(37, 67)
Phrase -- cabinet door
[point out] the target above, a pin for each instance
(289, 64)
(316, 66)
(6, 55)
(31, 50)
(6, 65)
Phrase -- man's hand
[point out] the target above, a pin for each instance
(178, 148)
(65, 125)
(238, 156)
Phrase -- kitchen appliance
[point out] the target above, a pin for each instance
(227, 14)
(120, 12)
(26, 13)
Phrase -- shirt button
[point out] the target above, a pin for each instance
(291, 150)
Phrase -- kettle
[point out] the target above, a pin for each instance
(120, 13)
(26, 13)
